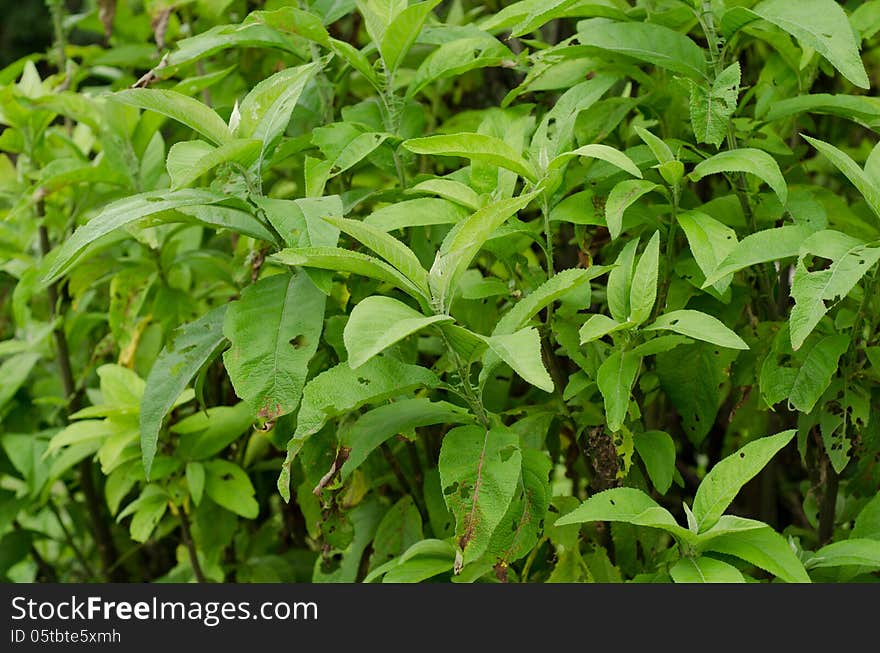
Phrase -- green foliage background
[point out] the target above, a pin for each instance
(343, 291)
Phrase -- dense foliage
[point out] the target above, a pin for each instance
(363, 290)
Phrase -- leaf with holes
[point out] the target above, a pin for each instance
(479, 473)
(274, 330)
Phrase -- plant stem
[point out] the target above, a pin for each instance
(103, 536)
(87, 568)
(829, 500)
(190, 547)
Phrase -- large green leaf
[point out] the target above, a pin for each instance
(657, 451)
(522, 351)
(402, 33)
(526, 512)
(379, 424)
(622, 196)
(14, 371)
(647, 42)
(189, 160)
(378, 322)
(615, 378)
(705, 570)
(750, 160)
(802, 385)
(227, 485)
(862, 552)
(711, 242)
(764, 548)
(868, 187)
(760, 247)
(179, 107)
(186, 352)
(554, 288)
(815, 292)
(341, 389)
(712, 107)
(343, 260)
(463, 243)
(821, 25)
(479, 473)
(386, 246)
(699, 326)
(274, 329)
(643, 291)
(478, 147)
(620, 282)
(458, 57)
(724, 480)
(266, 109)
(625, 504)
(119, 214)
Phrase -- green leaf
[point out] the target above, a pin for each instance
(265, 111)
(620, 282)
(712, 108)
(859, 108)
(188, 161)
(750, 160)
(867, 522)
(208, 432)
(711, 242)
(343, 260)
(725, 479)
(647, 42)
(854, 551)
(615, 378)
(274, 329)
(229, 487)
(427, 210)
(119, 214)
(458, 57)
(14, 371)
(384, 422)
(179, 107)
(195, 481)
(477, 147)
(400, 528)
(598, 326)
(699, 326)
(522, 351)
(479, 474)
(378, 322)
(420, 562)
(622, 196)
(148, 510)
(643, 291)
(814, 293)
(869, 188)
(186, 352)
(821, 25)
(661, 151)
(386, 246)
(705, 570)
(463, 243)
(340, 389)
(402, 33)
(602, 152)
(625, 504)
(801, 385)
(657, 451)
(760, 247)
(526, 512)
(551, 290)
(764, 548)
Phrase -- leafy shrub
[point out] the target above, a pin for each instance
(541, 291)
